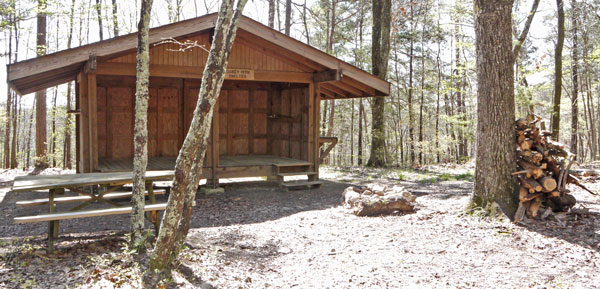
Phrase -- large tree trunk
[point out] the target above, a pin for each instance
(41, 160)
(496, 142)
(188, 166)
(555, 121)
(575, 96)
(379, 57)
(140, 130)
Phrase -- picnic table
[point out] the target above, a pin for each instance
(89, 188)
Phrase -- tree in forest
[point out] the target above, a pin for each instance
(555, 120)
(140, 130)
(188, 167)
(496, 157)
(288, 16)
(380, 51)
(41, 160)
(272, 13)
(574, 96)
(99, 14)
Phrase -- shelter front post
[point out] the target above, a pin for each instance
(83, 119)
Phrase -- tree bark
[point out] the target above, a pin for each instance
(99, 13)
(525, 31)
(272, 13)
(555, 121)
(288, 16)
(188, 167)
(140, 130)
(41, 160)
(379, 57)
(496, 157)
(115, 18)
(575, 95)
(67, 146)
(8, 103)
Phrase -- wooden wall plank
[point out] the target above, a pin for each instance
(84, 135)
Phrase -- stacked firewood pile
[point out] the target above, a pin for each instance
(378, 199)
(543, 171)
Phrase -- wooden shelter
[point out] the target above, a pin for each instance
(266, 122)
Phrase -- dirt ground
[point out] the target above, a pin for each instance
(258, 236)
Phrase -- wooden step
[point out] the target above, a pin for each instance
(298, 164)
(85, 214)
(301, 184)
(73, 199)
(296, 174)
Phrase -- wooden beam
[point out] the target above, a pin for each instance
(128, 69)
(327, 76)
(50, 62)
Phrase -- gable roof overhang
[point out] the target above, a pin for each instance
(49, 70)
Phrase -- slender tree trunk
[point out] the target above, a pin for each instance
(28, 146)
(99, 13)
(438, 88)
(53, 136)
(115, 18)
(140, 130)
(379, 57)
(15, 148)
(575, 96)
(361, 109)
(411, 114)
(555, 121)
(496, 143)
(288, 16)
(523, 35)
(272, 13)
(8, 103)
(67, 151)
(188, 168)
(41, 160)
(305, 21)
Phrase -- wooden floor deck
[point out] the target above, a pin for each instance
(168, 163)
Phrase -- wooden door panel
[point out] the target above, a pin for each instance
(168, 122)
(120, 131)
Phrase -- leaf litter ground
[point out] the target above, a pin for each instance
(257, 236)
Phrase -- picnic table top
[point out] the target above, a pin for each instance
(46, 182)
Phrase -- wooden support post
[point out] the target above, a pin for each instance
(215, 146)
(93, 121)
(316, 112)
(52, 225)
(83, 121)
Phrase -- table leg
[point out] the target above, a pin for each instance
(155, 215)
(52, 225)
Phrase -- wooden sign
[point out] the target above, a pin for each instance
(240, 74)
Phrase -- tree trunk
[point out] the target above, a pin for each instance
(28, 145)
(8, 103)
(288, 16)
(272, 13)
(99, 13)
(115, 18)
(41, 160)
(67, 146)
(15, 148)
(361, 109)
(411, 114)
(379, 57)
(53, 135)
(555, 121)
(496, 157)
(188, 167)
(140, 130)
(575, 96)
(525, 31)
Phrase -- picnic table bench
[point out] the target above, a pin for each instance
(90, 188)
